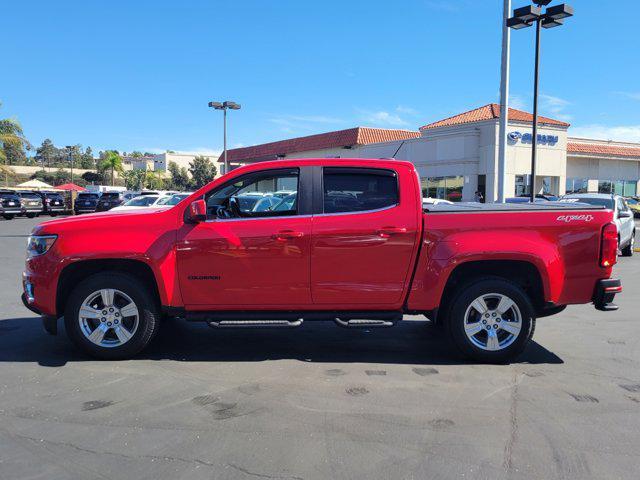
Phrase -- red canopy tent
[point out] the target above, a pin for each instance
(71, 186)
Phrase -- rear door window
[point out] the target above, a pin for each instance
(359, 189)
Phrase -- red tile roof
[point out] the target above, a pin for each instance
(340, 138)
(604, 150)
(491, 112)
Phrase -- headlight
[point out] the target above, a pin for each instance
(39, 244)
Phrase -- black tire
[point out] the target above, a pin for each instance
(628, 250)
(8, 216)
(31, 215)
(52, 214)
(455, 319)
(148, 309)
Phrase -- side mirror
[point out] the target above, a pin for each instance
(624, 214)
(198, 211)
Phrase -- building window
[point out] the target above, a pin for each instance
(523, 185)
(577, 185)
(626, 188)
(447, 188)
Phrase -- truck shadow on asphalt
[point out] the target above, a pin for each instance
(411, 342)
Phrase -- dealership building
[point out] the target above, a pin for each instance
(458, 156)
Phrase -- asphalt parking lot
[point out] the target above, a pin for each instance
(319, 402)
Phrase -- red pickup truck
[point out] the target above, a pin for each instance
(278, 243)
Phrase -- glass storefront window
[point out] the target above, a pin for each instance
(447, 188)
(627, 188)
(577, 185)
(523, 185)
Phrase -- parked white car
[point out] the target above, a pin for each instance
(170, 201)
(141, 201)
(623, 216)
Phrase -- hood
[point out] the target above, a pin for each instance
(99, 220)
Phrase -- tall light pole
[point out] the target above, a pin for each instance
(504, 103)
(70, 150)
(525, 17)
(224, 106)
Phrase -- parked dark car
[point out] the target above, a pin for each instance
(53, 203)
(10, 204)
(86, 202)
(32, 204)
(108, 200)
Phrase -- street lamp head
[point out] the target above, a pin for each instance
(232, 105)
(517, 23)
(216, 105)
(542, 3)
(558, 12)
(551, 23)
(528, 13)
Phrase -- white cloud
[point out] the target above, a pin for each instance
(303, 123)
(407, 110)
(383, 118)
(518, 102)
(555, 107)
(623, 133)
(631, 95)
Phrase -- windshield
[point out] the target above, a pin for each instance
(87, 196)
(286, 204)
(32, 195)
(143, 201)
(109, 195)
(601, 202)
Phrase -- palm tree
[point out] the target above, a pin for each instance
(10, 133)
(112, 161)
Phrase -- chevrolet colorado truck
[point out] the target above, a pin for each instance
(350, 241)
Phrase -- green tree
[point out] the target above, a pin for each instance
(86, 160)
(136, 154)
(179, 177)
(46, 153)
(12, 140)
(93, 177)
(61, 176)
(134, 179)
(202, 171)
(14, 153)
(153, 181)
(112, 161)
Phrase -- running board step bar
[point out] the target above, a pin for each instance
(362, 323)
(255, 323)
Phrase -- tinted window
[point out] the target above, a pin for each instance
(354, 190)
(143, 201)
(110, 195)
(256, 195)
(602, 202)
(31, 195)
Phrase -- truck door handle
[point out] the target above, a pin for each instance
(386, 232)
(287, 235)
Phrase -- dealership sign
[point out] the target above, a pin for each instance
(514, 137)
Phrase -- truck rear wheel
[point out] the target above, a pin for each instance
(628, 250)
(111, 316)
(491, 320)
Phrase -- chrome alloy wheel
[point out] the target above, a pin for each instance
(108, 318)
(492, 322)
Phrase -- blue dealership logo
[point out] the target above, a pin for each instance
(528, 138)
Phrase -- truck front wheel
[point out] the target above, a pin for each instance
(111, 316)
(491, 320)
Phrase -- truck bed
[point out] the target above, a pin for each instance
(471, 207)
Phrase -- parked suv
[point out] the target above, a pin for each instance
(108, 200)
(10, 204)
(86, 202)
(53, 203)
(622, 216)
(32, 204)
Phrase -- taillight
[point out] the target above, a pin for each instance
(609, 246)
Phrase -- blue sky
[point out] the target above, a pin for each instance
(138, 74)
